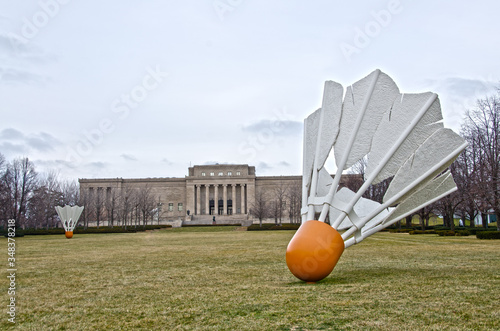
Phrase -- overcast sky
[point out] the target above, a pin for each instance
(147, 88)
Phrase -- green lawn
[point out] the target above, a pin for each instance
(222, 279)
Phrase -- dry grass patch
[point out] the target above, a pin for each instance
(218, 278)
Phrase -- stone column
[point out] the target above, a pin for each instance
(243, 202)
(224, 197)
(207, 199)
(198, 199)
(233, 198)
(216, 199)
(250, 193)
(190, 192)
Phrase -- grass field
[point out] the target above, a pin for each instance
(221, 279)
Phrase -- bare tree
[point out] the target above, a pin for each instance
(259, 208)
(2, 163)
(146, 202)
(86, 200)
(4, 196)
(356, 177)
(447, 208)
(71, 192)
(20, 180)
(111, 205)
(46, 196)
(294, 196)
(273, 208)
(99, 206)
(464, 171)
(408, 220)
(482, 130)
(424, 214)
(278, 204)
(126, 206)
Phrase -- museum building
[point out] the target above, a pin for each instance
(226, 191)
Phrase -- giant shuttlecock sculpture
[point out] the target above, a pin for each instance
(69, 218)
(400, 135)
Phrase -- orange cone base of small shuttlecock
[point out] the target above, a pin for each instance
(314, 251)
(69, 234)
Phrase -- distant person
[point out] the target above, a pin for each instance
(213, 221)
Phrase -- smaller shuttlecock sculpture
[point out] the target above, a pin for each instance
(69, 218)
(400, 136)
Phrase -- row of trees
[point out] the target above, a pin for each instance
(30, 198)
(120, 207)
(477, 170)
(281, 202)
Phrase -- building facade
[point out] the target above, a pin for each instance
(227, 191)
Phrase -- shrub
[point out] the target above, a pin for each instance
(422, 232)
(476, 230)
(19, 233)
(81, 230)
(488, 235)
(208, 225)
(285, 227)
(445, 233)
(441, 228)
(401, 230)
(453, 233)
(272, 226)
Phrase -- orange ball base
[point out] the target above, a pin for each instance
(69, 234)
(314, 251)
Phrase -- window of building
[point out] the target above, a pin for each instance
(179, 206)
(170, 206)
(212, 174)
(229, 173)
(221, 174)
(238, 173)
(203, 174)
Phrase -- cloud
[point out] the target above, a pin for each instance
(97, 165)
(12, 75)
(10, 148)
(19, 60)
(42, 141)
(11, 134)
(284, 164)
(263, 166)
(12, 45)
(128, 157)
(278, 127)
(166, 161)
(468, 87)
(464, 91)
(458, 94)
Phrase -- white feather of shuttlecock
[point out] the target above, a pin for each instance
(69, 216)
(400, 135)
